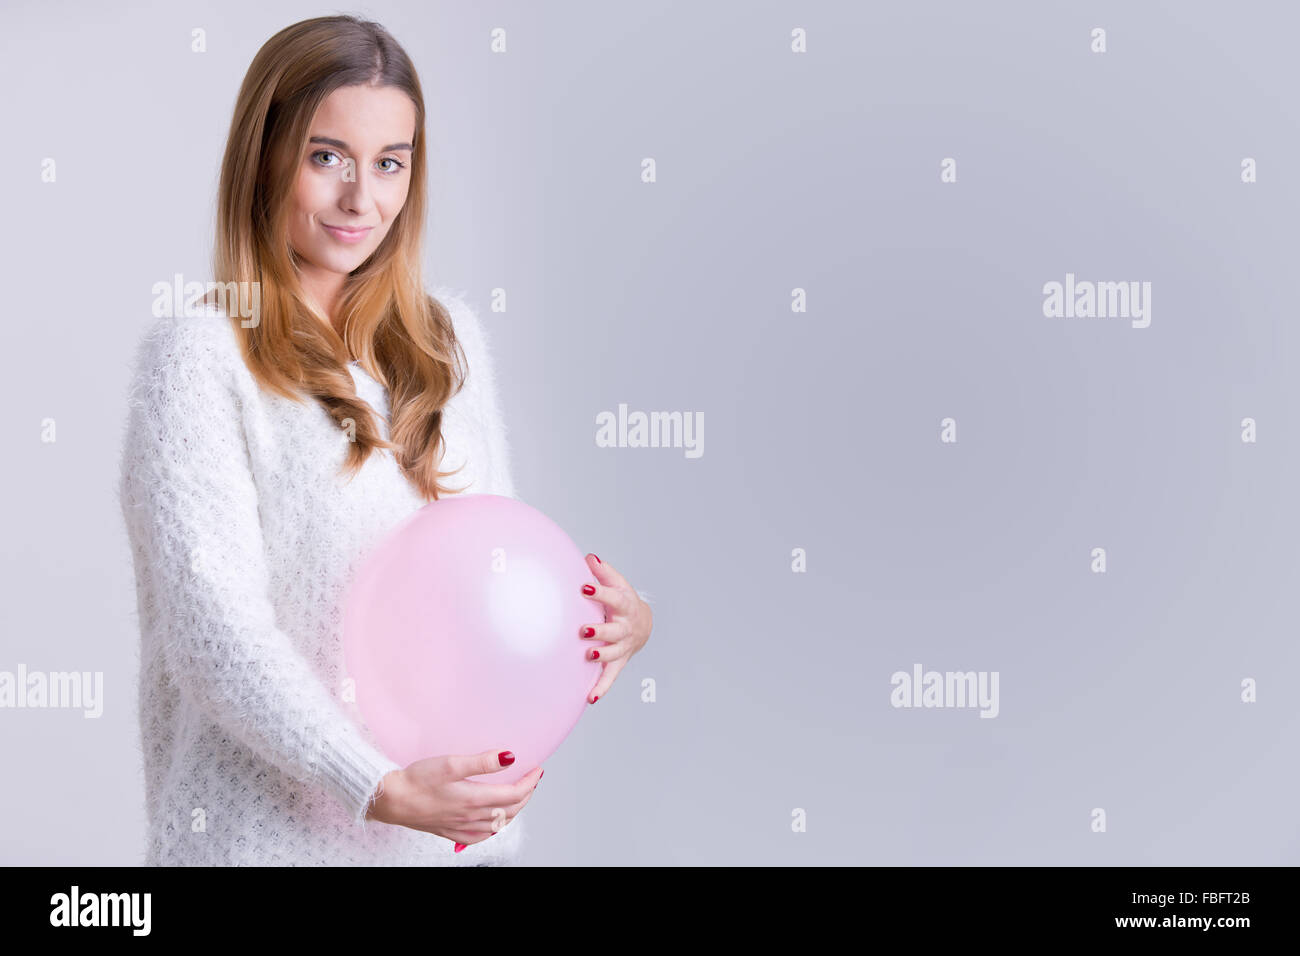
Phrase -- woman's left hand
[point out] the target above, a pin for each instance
(628, 621)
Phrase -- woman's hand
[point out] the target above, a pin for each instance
(628, 621)
(433, 795)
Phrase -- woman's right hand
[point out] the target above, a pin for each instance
(433, 795)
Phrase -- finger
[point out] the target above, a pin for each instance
(480, 818)
(611, 631)
(609, 652)
(607, 676)
(498, 817)
(605, 573)
(521, 804)
(615, 641)
(503, 794)
(457, 833)
(492, 820)
(614, 599)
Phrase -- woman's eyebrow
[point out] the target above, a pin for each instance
(327, 141)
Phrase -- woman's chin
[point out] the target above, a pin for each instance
(344, 264)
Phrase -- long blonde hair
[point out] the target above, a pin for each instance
(393, 327)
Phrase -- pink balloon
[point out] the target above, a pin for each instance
(461, 633)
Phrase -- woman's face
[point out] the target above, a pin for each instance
(352, 181)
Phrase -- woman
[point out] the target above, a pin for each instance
(266, 452)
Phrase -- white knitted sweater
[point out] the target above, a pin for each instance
(244, 538)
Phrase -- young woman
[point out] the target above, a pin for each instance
(266, 451)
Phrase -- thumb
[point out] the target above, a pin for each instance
(489, 761)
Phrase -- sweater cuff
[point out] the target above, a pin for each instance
(354, 772)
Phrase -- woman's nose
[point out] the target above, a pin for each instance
(354, 196)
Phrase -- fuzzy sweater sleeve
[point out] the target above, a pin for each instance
(191, 510)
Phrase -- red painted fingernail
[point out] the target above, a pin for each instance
(540, 776)
(597, 557)
(595, 654)
(459, 847)
(594, 699)
(588, 632)
(588, 589)
(505, 758)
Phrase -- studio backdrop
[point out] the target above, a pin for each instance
(931, 368)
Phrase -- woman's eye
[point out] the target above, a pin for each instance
(397, 164)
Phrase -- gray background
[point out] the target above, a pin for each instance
(775, 171)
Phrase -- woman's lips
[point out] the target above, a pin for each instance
(347, 235)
